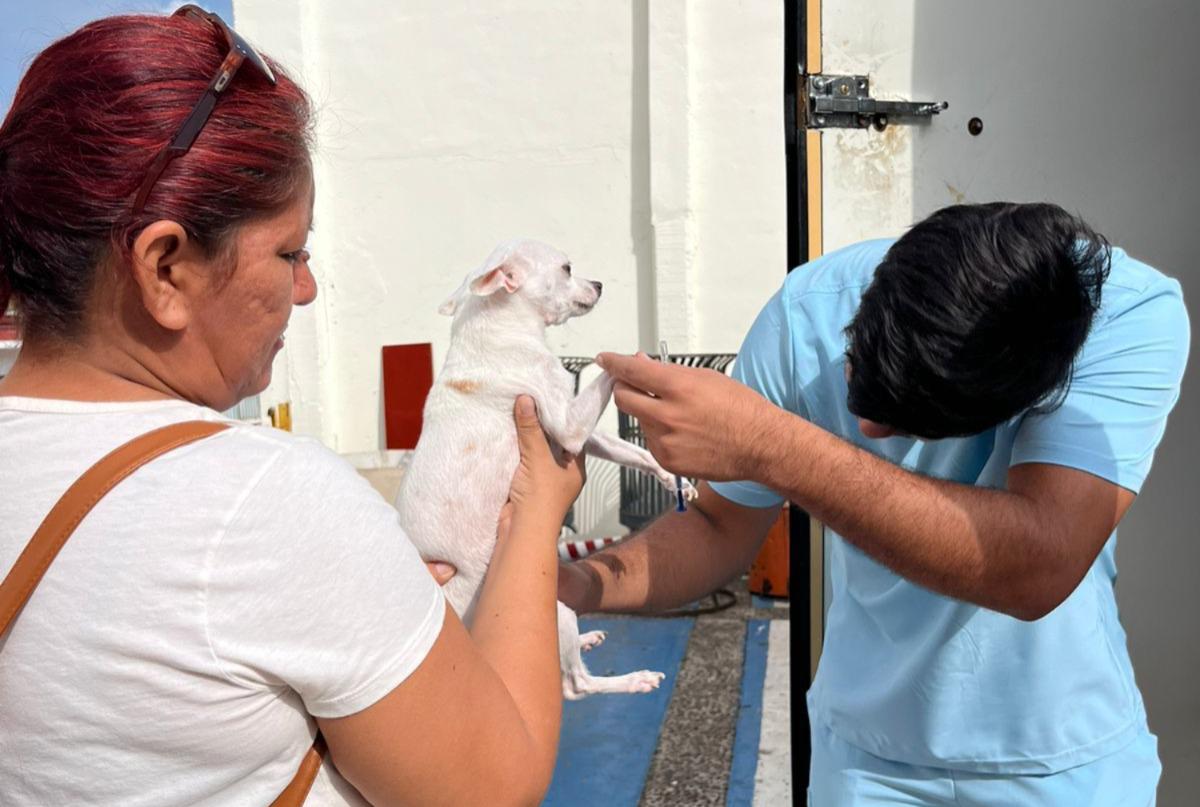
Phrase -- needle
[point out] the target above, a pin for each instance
(680, 504)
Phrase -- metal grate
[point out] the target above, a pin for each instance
(574, 365)
(249, 409)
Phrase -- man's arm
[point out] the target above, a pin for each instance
(677, 559)
(1020, 551)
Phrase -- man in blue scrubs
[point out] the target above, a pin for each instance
(971, 410)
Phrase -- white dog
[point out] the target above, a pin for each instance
(458, 481)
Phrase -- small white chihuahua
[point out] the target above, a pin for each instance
(458, 480)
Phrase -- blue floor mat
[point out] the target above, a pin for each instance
(608, 741)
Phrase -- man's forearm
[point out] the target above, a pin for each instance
(677, 559)
(970, 543)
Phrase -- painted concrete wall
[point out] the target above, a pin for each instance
(645, 140)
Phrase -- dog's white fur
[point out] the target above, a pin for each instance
(458, 480)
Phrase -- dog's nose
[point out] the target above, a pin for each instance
(598, 286)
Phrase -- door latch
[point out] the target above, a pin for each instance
(845, 102)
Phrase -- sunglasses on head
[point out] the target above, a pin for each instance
(240, 52)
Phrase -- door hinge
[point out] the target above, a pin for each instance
(845, 102)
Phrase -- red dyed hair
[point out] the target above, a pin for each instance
(88, 119)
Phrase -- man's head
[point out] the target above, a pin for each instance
(974, 316)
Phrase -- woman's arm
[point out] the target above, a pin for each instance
(477, 722)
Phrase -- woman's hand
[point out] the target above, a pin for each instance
(543, 484)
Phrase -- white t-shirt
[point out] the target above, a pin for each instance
(205, 608)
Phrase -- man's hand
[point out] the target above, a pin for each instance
(697, 423)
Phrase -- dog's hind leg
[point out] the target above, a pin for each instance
(577, 681)
(593, 638)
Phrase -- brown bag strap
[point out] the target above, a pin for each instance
(297, 790)
(70, 510)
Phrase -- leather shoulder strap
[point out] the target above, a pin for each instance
(297, 790)
(79, 500)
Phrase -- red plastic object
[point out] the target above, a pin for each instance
(407, 377)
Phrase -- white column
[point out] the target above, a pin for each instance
(671, 214)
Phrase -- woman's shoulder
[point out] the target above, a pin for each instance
(280, 459)
(258, 442)
(245, 462)
(287, 493)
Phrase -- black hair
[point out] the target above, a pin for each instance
(974, 316)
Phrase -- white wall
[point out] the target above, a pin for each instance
(868, 175)
(644, 140)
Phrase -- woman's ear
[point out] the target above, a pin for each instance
(162, 267)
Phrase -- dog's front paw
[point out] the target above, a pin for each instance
(690, 491)
(668, 481)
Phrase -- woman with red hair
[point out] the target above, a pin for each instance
(230, 598)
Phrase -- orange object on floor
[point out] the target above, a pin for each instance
(769, 571)
(407, 377)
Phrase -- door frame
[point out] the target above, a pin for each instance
(806, 570)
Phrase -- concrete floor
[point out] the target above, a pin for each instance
(680, 746)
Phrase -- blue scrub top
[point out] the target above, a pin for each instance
(917, 677)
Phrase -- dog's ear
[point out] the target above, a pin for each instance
(499, 271)
(506, 276)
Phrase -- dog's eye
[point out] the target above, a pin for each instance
(567, 268)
